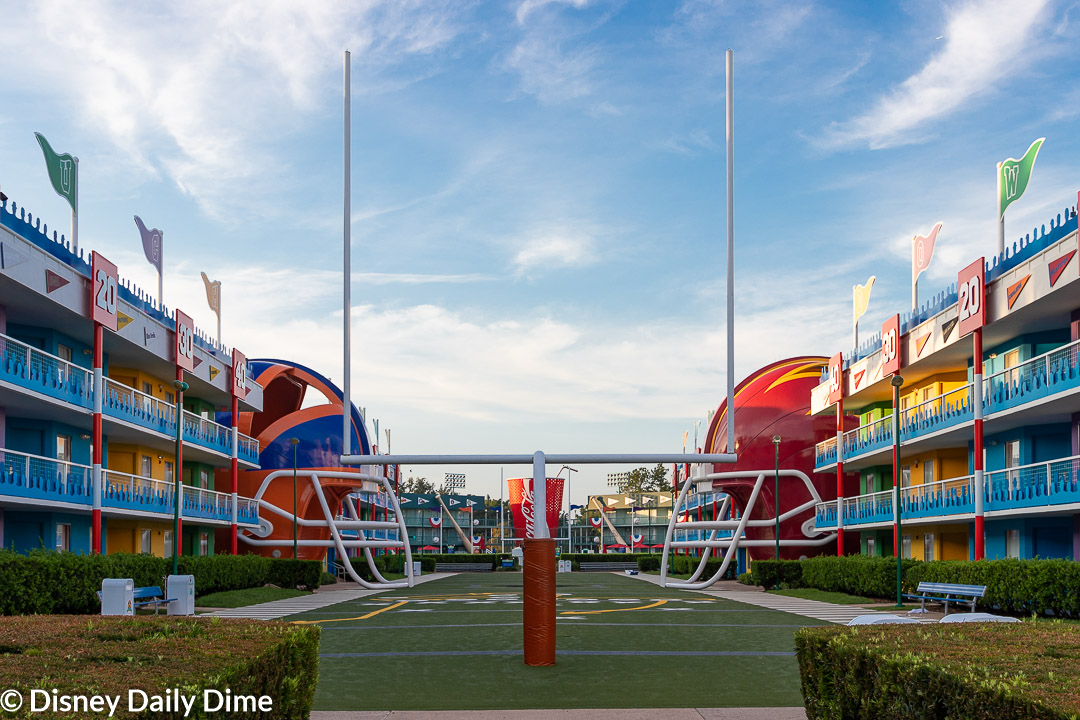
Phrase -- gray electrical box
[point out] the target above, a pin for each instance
(181, 589)
(117, 596)
(416, 568)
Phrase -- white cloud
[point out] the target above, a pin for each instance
(986, 42)
(201, 92)
(528, 6)
(549, 71)
(554, 250)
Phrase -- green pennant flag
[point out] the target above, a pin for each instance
(63, 172)
(1013, 176)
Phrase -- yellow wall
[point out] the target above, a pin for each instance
(948, 463)
(938, 385)
(127, 459)
(950, 541)
(134, 378)
(125, 535)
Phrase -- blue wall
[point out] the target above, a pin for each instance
(26, 531)
(1038, 443)
(1044, 537)
(38, 437)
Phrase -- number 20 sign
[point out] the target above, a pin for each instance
(104, 281)
(971, 286)
(185, 342)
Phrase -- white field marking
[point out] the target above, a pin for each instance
(414, 610)
(570, 617)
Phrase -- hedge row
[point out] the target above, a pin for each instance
(905, 672)
(1017, 586)
(111, 655)
(684, 564)
(59, 583)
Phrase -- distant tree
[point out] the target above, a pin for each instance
(419, 485)
(646, 480)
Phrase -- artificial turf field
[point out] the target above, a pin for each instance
(455, 644)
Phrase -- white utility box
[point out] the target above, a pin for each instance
(416, 568)
(182, 588)
(565, 566)
(117, 596)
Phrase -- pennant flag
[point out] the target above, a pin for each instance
(858, 377)
(1016, 288)
(922, 252)
(1058, 266)
(404, 500)
(920, 343)
(664, 500)
(63, 173)
(684, 435)
(122, 320)
(636, 508)
(596, 522)
(862, 297)
(1013, 176)
(611, 501)
(213, 372)
(54, 281)
(151, 243)
(947, 328)
(10, 257)
(196, 361)
(470, 503)
(213, 295)
(576, 507)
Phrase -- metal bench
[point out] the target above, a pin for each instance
(463, 567)
(946, 593)
(607, 566)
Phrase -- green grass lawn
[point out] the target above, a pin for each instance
(455, 644)
(251, 596)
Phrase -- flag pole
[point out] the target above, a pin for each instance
(730, 252)
(346, 406)
(855, 317)
(1001, 216)
(74, 213)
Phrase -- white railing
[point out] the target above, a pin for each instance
(247, 445)
(207, 430)
(139, 402)
(864, 433)
(953, 400)
(137, 484)
(1040, 365)
(25, 466)
(216, 503)
(825, 446)
(1026, 482)
(40, 364)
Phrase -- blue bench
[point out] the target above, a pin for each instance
(946, 593)
(151, 595)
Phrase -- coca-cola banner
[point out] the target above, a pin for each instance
(521, 504)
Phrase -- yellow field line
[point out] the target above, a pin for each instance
(362, 617)
(597, 612)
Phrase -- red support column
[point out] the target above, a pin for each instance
(234, 473)
(840, 477)
(977, 460)
(99, 392)
(180, 464)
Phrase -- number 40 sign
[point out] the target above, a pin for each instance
(104, 280)
(971, 286)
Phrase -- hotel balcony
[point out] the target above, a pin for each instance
(1053, 485)
(30, 479)
(1018, 391)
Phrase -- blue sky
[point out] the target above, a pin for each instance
(538, 186)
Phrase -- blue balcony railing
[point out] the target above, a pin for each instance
(40, 478)
(47, 374)
(1038, 485)
(132, 492)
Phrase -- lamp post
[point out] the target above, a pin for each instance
(295, 442)
(898, 541)
(180, 386)
(776, 493)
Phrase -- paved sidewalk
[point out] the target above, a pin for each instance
(323, 597)
(785, 713)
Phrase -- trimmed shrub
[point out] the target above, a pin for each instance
(905, 672)
(648, 563)
(109, 656)
(776, 573)
(48, 582)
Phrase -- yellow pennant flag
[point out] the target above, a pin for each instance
(213, 293)
(862, 297)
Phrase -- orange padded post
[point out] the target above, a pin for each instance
(538, 613)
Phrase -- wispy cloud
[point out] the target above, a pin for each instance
(528, 6)
(550, 71)
(985, 42)
(558, 249)
(691, 143)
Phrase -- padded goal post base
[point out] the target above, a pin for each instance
(538, 612)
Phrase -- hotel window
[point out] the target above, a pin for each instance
(204, 544)
(1012, 359)
(63, 448)
(905, 476)
(871, 546)
(168, 471)
(147, 388)
(145, 464)
(63, 352)
(63, 537)
(905, 545)
(144, 542)
(928, 546)
(170, 398)
(1012, 460)
(168, 543)
(1012, 543)
(204, 478)
(928, 471)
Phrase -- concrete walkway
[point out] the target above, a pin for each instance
(783, 713)
(323, 597)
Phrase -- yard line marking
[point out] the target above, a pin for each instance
(597, 612)
(362, 617)
(661, 653)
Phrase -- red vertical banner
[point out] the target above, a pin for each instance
(971, 287)
(185, 342)
(104, 281)
(521, 505)
(890, 346)
(239, 375)
(836, 378)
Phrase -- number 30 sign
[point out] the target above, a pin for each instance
(185, 342)
(104, 281)
(971, 285)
